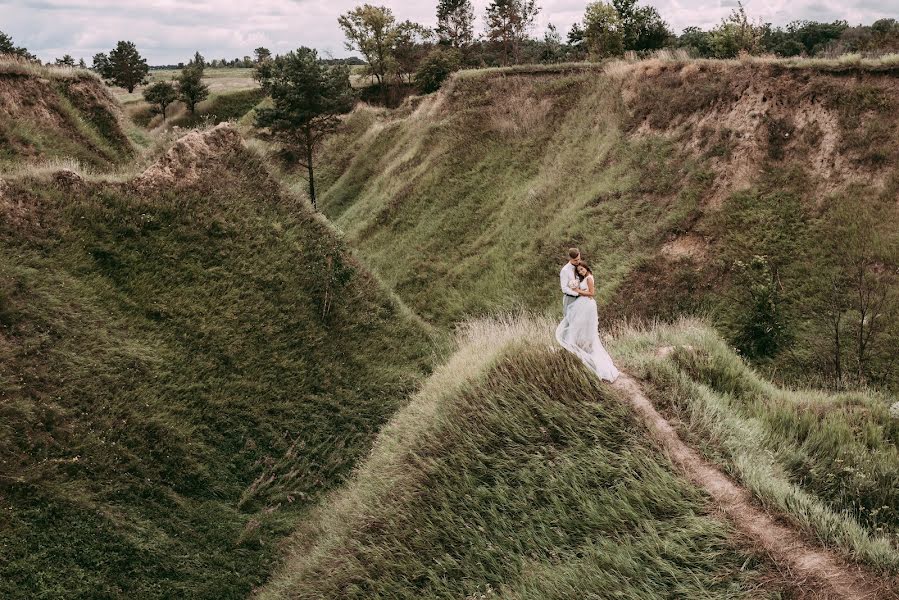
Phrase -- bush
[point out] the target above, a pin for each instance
(435, 69)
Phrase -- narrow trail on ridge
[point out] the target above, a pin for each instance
(819, 572)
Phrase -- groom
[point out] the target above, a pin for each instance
(567, 277)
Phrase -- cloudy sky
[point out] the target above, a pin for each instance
(169, 31)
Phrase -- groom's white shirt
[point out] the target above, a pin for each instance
(566, 276)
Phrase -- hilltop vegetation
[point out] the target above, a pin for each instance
(758, 193)
(188, 361)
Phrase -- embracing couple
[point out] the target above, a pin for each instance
(579, 330)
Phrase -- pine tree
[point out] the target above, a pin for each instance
(307, 97)
(124, 67)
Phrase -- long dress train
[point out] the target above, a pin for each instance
(579, 334)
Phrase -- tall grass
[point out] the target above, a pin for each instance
(15, 65)
(182, 375)
(465, 201)
(828, 461)
(514, 473)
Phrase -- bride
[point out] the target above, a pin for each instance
(579, 330)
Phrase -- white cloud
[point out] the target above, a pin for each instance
(169, 31)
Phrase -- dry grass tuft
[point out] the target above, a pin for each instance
(16, 65)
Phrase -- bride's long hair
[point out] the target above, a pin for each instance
(577, 272)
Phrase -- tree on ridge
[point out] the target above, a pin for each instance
(508, 22)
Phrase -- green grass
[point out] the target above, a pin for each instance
(466, 202)
(513, 473)
(182, 374)
(828, 461)
(231, 106)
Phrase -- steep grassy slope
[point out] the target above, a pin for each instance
(48, 113)
(760, 193)
(514, 473)
(187, 361)
(829, 461)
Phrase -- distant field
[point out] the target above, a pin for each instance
(219, 81)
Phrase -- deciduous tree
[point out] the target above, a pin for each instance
(603, 34)
(642, 27)
(161, 94)
(373, 32)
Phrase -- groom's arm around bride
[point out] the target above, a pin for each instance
(567, 278)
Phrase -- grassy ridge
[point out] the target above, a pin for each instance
(514, 473)
(181, 374)
(691, 188)
(829, 461)
(65, 114)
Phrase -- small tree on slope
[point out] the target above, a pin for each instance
(307, 98)
(191, 89)
(161, 94)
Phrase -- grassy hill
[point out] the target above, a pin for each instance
(759, 193)
(514, 473)
(53, 113)
(826, 460)
(188, 361)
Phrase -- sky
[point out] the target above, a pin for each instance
(169, 31)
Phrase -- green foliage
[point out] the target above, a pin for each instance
(508, 23)
(435, 69)
(262, 54)
(642, 27)
(455, 23)
(124, 67)
(161, 94)
(8, 47)
(191, 89)
(603, 31)
(372, 31)
(66, 61)
(183, 373)
(307, 99)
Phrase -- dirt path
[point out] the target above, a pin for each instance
(817, 572)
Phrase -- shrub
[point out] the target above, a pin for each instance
(435, 69)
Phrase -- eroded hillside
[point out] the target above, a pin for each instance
(185, 366)
(755, 192)
(58, 113)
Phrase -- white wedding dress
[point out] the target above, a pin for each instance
(579, 334)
